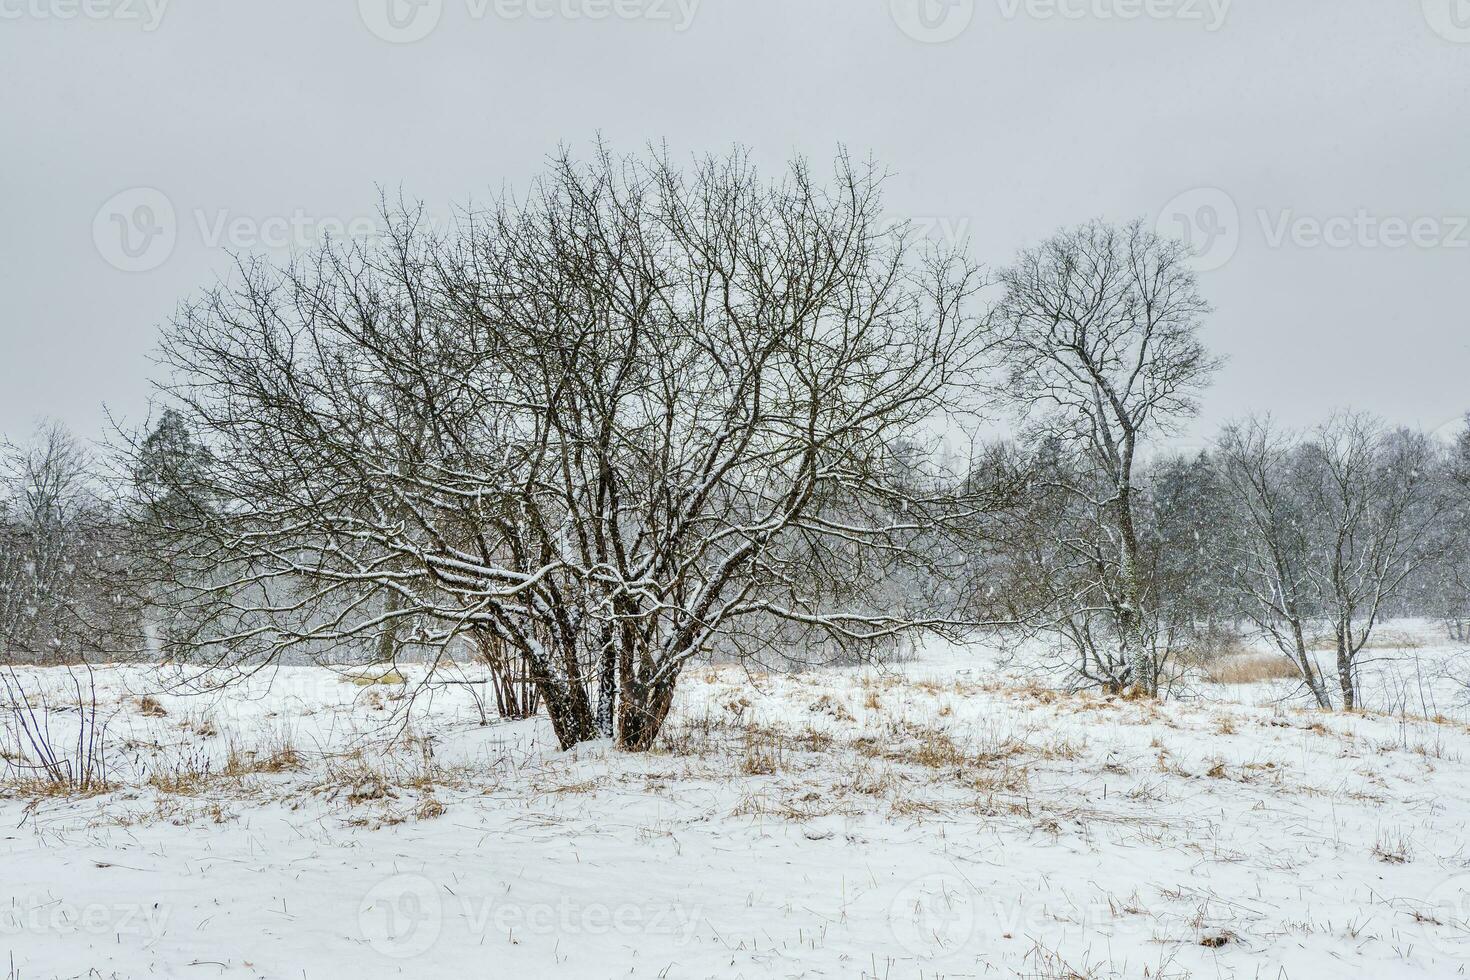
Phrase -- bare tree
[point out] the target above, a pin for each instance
(60, 555)
(1329, 532)
(1269, 544)
(601, 429)
(1450, 585)
(1100, 339)
(1370, 497)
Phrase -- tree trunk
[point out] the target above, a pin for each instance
(1308, 669)
(1130, 622)
(572, 726)
(1345, 670)
(607, 687)
(641, 726)
(387, 651)
(571, 716)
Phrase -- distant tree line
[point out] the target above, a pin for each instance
(1301, 540)
(649, 414)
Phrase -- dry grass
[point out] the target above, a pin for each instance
(764, 753)
(188, 777)
(150, 707)
(831, 707)
(195, 774)
(1392, 849)
(1250, 668)
(1380, 640)
(280, 757)
(370, 680)
(36, 788)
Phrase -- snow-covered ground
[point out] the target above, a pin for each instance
(933, 820)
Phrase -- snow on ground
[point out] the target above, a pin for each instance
(932, 820)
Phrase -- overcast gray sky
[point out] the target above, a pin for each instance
(1317, 150)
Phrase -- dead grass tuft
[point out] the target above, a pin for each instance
(374, 680)
(764, 754)
(36, 788)
(827, 705)
(281, 757)
(1252, 668)
(1392, 849)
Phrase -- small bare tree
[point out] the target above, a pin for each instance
(1099, 334)
(61, 555)
(1268, 551)
(62, 562)
(1371, 498)
(1451, 586)
(1329, 531)
(598, 430)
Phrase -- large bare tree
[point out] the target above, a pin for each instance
(603, 427)
(1100, 340)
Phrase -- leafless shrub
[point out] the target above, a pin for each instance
(76, 762)
(633, 417)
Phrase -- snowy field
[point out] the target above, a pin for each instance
(937, 820)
